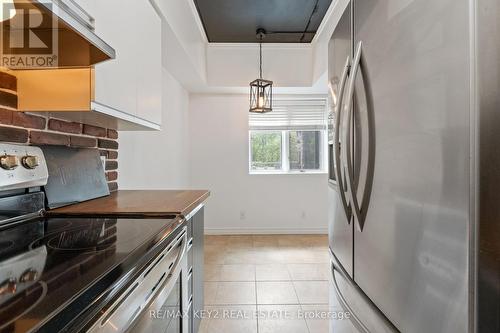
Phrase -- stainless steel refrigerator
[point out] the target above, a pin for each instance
(414, 145)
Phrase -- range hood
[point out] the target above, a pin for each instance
(67, 89)
(60, 28)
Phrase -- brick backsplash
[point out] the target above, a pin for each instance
(38, 129)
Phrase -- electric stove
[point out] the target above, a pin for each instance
(58, 274)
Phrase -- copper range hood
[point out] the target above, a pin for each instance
(51, 47)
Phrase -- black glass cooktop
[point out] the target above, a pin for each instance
(52, 269)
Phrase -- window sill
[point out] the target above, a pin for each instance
(270, 172)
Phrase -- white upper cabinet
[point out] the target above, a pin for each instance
(131, 83)
(148, 50)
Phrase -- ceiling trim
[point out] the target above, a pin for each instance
(198, 21)
(323, 23)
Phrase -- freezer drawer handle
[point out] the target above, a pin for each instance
(358, 210)
(343, 302)
(337, 149)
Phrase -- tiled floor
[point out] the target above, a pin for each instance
(265, 284)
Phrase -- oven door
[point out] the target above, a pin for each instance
(157, 301)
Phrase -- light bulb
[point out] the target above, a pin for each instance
(7, 10)
(261, 102)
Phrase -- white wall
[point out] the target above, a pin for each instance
(158, 160)
(236, 64)
(218, 127)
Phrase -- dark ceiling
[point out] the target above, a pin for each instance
(236, 21)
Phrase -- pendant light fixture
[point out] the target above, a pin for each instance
(261, 91)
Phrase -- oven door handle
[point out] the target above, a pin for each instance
(172, 272)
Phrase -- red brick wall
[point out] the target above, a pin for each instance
(20, 127)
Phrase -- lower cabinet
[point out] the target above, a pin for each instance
(196, 227)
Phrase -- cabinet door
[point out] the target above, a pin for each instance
(132, 82)
(148, 58)
(411, 256)
(116, 80)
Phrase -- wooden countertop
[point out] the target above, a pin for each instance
(152, 203)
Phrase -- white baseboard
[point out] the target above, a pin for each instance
(240, 231)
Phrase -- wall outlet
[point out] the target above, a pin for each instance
(303, 215)
(243, 215)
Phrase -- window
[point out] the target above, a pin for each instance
(266, 150)
(290, 139)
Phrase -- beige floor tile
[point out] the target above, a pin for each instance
(239, 242)
(312, 292)
(304, 256)
(315, 241)
(307, 272)
(210, 292)
(291, 241)
(272, 272)
(229, 293)
(238, 272)
(280, 319)
(232, 319)
(215, 240)
(214, 256)
(322, 256)
(265, 256)
(240, 257)
(212, 272)
(265, 241)
(281, 292)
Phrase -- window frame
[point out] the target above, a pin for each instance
(285, 149)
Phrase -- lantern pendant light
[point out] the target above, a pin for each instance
(261, 91)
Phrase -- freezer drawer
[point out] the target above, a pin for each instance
(362, 315)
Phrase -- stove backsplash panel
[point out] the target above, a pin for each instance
(39, 129)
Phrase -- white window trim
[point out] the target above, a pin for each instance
(285, 165)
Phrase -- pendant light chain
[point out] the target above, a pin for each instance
(260, 52)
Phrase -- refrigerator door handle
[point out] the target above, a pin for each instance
(336, 143)
(358, 211)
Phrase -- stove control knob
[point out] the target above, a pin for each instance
(30, 162)
(28, 276)
(8, 286)
(9, 162)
